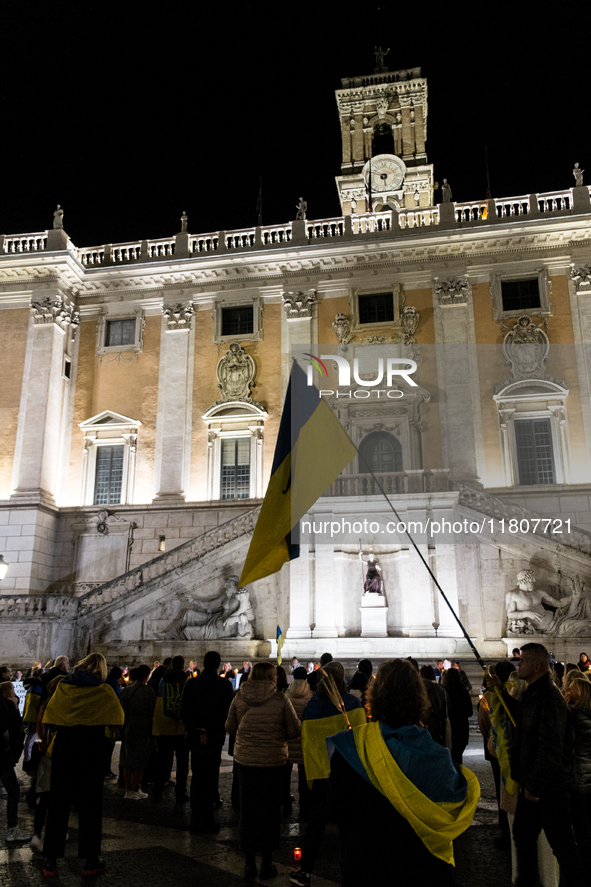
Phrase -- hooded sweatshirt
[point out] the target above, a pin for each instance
(262, 719)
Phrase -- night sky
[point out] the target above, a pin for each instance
(128, 113)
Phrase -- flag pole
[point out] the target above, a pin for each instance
(441, 591)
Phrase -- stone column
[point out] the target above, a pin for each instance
(299, 595)
(37, 452)
(325, 603)
(175, 386)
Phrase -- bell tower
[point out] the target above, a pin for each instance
(384, 119)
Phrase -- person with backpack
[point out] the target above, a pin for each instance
(169, 731)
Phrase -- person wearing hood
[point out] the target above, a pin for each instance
(169, 731)
(263, 720)
(82, 708)
(299, 694)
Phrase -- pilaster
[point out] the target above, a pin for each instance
(39, 438)
(174, 404)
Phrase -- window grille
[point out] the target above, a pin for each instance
(535, 459)
(235, 474)
(108, 475)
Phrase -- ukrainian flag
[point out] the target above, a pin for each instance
(280, 642)
(312, 449)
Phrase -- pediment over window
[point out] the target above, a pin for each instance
(109, 419)
(234, 410)
(531, 389)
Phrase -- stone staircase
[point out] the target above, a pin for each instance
(135, 582)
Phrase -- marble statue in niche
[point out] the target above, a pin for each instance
(373, 580)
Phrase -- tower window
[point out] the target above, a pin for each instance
(108, 475)
(120, 332)
(235, 468)
(237, 321)
(520, 294)
(376, 309)
(383, 140)
(533, 438)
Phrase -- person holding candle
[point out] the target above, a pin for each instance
(392, 772)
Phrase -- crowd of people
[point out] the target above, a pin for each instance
(386, 747)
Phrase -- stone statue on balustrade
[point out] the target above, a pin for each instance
(301, 209)
(578, 174)
(58, 217)
(446, 192)
(526, 613)
(228, 616)
(373, 581)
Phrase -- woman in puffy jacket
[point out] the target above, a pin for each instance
(578, 696)
(262, 719)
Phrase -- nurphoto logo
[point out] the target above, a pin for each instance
(401, 367)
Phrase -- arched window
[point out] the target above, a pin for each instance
(383, 140)
(381, 453)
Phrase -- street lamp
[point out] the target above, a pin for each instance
(3, 568)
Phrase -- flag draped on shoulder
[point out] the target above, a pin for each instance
(83, 706)
(419, 779)
(312, 449)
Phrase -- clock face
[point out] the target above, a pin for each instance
(387, 173)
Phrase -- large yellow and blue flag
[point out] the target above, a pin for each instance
(312, 449)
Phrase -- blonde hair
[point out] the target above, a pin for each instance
(94, 663)
(580, 688)
(6, 689)
(263, 671)
(569, 677)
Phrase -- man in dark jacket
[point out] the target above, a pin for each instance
(542, 765)
(204, 709)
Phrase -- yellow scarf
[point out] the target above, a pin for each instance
(436, 824)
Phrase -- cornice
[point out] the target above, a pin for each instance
(551, 242)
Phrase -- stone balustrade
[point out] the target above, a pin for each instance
(392, 483)
(25, 243)
(37, 605)
(404, 222)
(502, 509)
(421, 217)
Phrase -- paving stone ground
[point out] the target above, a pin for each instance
(148, 845)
